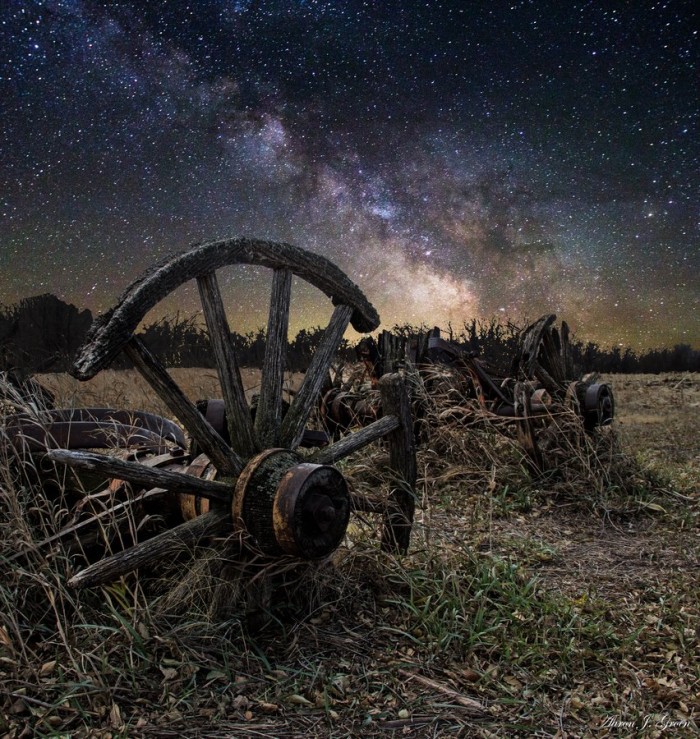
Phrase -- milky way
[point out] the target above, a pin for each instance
(456, 159)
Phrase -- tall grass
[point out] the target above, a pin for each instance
(318, 649)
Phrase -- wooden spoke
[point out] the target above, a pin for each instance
(298, 413)
(401, 504)
(163, 546)
(155, 374)
(116, 514)
(357, 440)
(238, 419)
(142, 475)
(268, 416)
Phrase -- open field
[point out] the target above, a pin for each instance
(560, 606)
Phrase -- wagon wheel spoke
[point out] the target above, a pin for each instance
(357, 440)
(268, 416)
(240, 426)
(142, 475)
(298, 413)
(155, 374)
(162, 546)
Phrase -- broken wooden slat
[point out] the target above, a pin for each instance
(530, 346)
(142, 475)
(566, 354)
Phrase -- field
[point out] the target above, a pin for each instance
(565, 605)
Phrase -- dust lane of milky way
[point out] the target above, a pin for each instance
(455, 159)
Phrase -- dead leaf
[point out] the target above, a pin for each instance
(169, 673)
(513, 682)
(239, 702)
(299, 700)
(115, 717)
(48, 667)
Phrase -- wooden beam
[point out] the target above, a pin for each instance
(401, 504)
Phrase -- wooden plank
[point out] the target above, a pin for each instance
(163, 546)
(398, 520)
(155, 374)
(308, 394)
(356, 440)
(139, 474)
(268, 415)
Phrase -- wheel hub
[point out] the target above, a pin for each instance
(291, 507)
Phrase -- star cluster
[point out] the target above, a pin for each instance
(456, 159)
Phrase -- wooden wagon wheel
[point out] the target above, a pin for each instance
(544, 368)
(259, 484)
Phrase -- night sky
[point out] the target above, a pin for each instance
(456, 159)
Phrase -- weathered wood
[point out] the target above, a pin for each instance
(111, 331)
(116, 515)
(268, 415)
(163, 546)
(392, 350)
(398, 520)
(142, 475)
(530, 346)
(567, 357)
(356, 440)
(240, 425)
(155, 374)
(541, 374)
(552, 362)
(522, 395)
(308, 394)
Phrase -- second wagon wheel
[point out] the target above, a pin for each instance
(545, 361)
(259, 483)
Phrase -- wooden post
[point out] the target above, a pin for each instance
(402, 462)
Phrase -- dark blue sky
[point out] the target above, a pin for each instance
(457, 159)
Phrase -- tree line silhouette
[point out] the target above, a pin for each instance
(43, 333)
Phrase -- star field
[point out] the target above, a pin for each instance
(456, 159)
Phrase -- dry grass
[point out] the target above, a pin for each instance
(564, 605)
